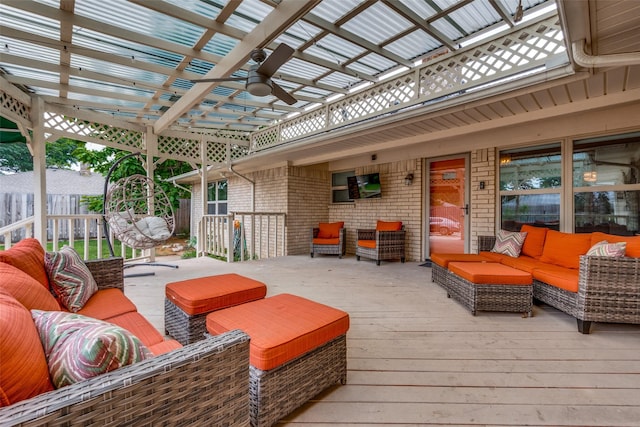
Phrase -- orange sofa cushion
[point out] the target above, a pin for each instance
(443, 260)
(524, 263)
(107, 303)
(389, 225)
(138, 326)
(330, 230)
(534, 243)
(281, 327)
(564, 278)
(27, 290)
(494, 256)
(322, 241)
(564, 249)
(23, 366)
(633, 242)
(490, 273)
(371, 244)
(205, 294)
(27, 255)
(164, 347)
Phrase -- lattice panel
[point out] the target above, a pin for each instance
(265, 138)
(239, 151)
(184, 148)
(304, 125)
(451, 75)
(94, 132)
(9, 103)
(216, 152)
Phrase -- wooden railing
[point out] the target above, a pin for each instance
(242, 236)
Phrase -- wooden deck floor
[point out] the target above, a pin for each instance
(418, 358)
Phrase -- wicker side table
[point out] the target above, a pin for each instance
(482, 286)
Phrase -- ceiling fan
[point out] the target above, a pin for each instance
(258, 79)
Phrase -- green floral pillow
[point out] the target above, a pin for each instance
(70, 279)
(78, 347)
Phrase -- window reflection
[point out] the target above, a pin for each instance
(541, 210)
(612, 212)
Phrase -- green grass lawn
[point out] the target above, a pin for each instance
(93, 248)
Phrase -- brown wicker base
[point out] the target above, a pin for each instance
(277, 392)
(490, 297)
(182, 327)
(439, 275)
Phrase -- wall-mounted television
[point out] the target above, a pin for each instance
(364, 186)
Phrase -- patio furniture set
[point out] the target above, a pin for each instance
(238, 358)
(594, 277)
(385, 242)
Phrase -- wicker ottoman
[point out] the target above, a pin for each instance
(487, 286)
(440, 265)
(297, 349)
(188, 302)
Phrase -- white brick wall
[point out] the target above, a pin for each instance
(483, 203)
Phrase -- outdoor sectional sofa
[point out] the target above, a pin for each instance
(203, 383)
(589, 288)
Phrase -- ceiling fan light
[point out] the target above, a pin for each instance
(259, 84)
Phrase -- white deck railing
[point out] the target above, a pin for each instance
(242, 236)
(70, 228)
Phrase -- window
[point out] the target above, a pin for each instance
(530, 187)
(217, 198)
(606, 181)
(339, 189)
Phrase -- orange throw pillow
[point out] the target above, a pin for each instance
(389, 226)
(564, 249)
(23, 367)
(633, 242)
(28, 256)
(330, 230)
(27, 290)
(534, 243)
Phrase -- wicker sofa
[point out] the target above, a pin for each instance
(199, 384)
(608, 288)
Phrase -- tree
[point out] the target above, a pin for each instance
(101, 162)
(16, 157)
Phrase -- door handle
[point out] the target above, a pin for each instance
(465, 208)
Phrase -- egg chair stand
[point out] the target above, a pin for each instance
(139, 214)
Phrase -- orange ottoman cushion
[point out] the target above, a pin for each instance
(205, 294)
(443, 260)
(281, 327)
(490, 273)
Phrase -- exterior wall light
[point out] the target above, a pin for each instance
(408, 180)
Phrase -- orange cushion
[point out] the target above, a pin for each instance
(138, 326)
(564, 278)
(205, 294)
(524, 263)
(490, 273)
(443, 260)
(371, 244)
(494, 256)
(330, 230)
(389, 226)
(23, 366)
(28, 256)
(107, 303)
(281, 327)
(164, 347)
(564, 249)
(633, 242)
(323, 241)
(534, 242)
(27, 290)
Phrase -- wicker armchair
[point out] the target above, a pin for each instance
(204, 383)
(388, 244)
(328, 246)
(608, 290)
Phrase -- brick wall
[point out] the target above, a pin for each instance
(483, 202)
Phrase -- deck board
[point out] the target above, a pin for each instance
(416, 357)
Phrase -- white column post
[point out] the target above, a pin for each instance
(38, 148)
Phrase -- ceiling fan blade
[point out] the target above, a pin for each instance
(223, 79)
(278, 57)
(278, 92)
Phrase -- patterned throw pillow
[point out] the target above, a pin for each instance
(509, 243)
(605, 248)
(70, 279)
(78, 347)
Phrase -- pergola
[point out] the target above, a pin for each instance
(366, 75)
